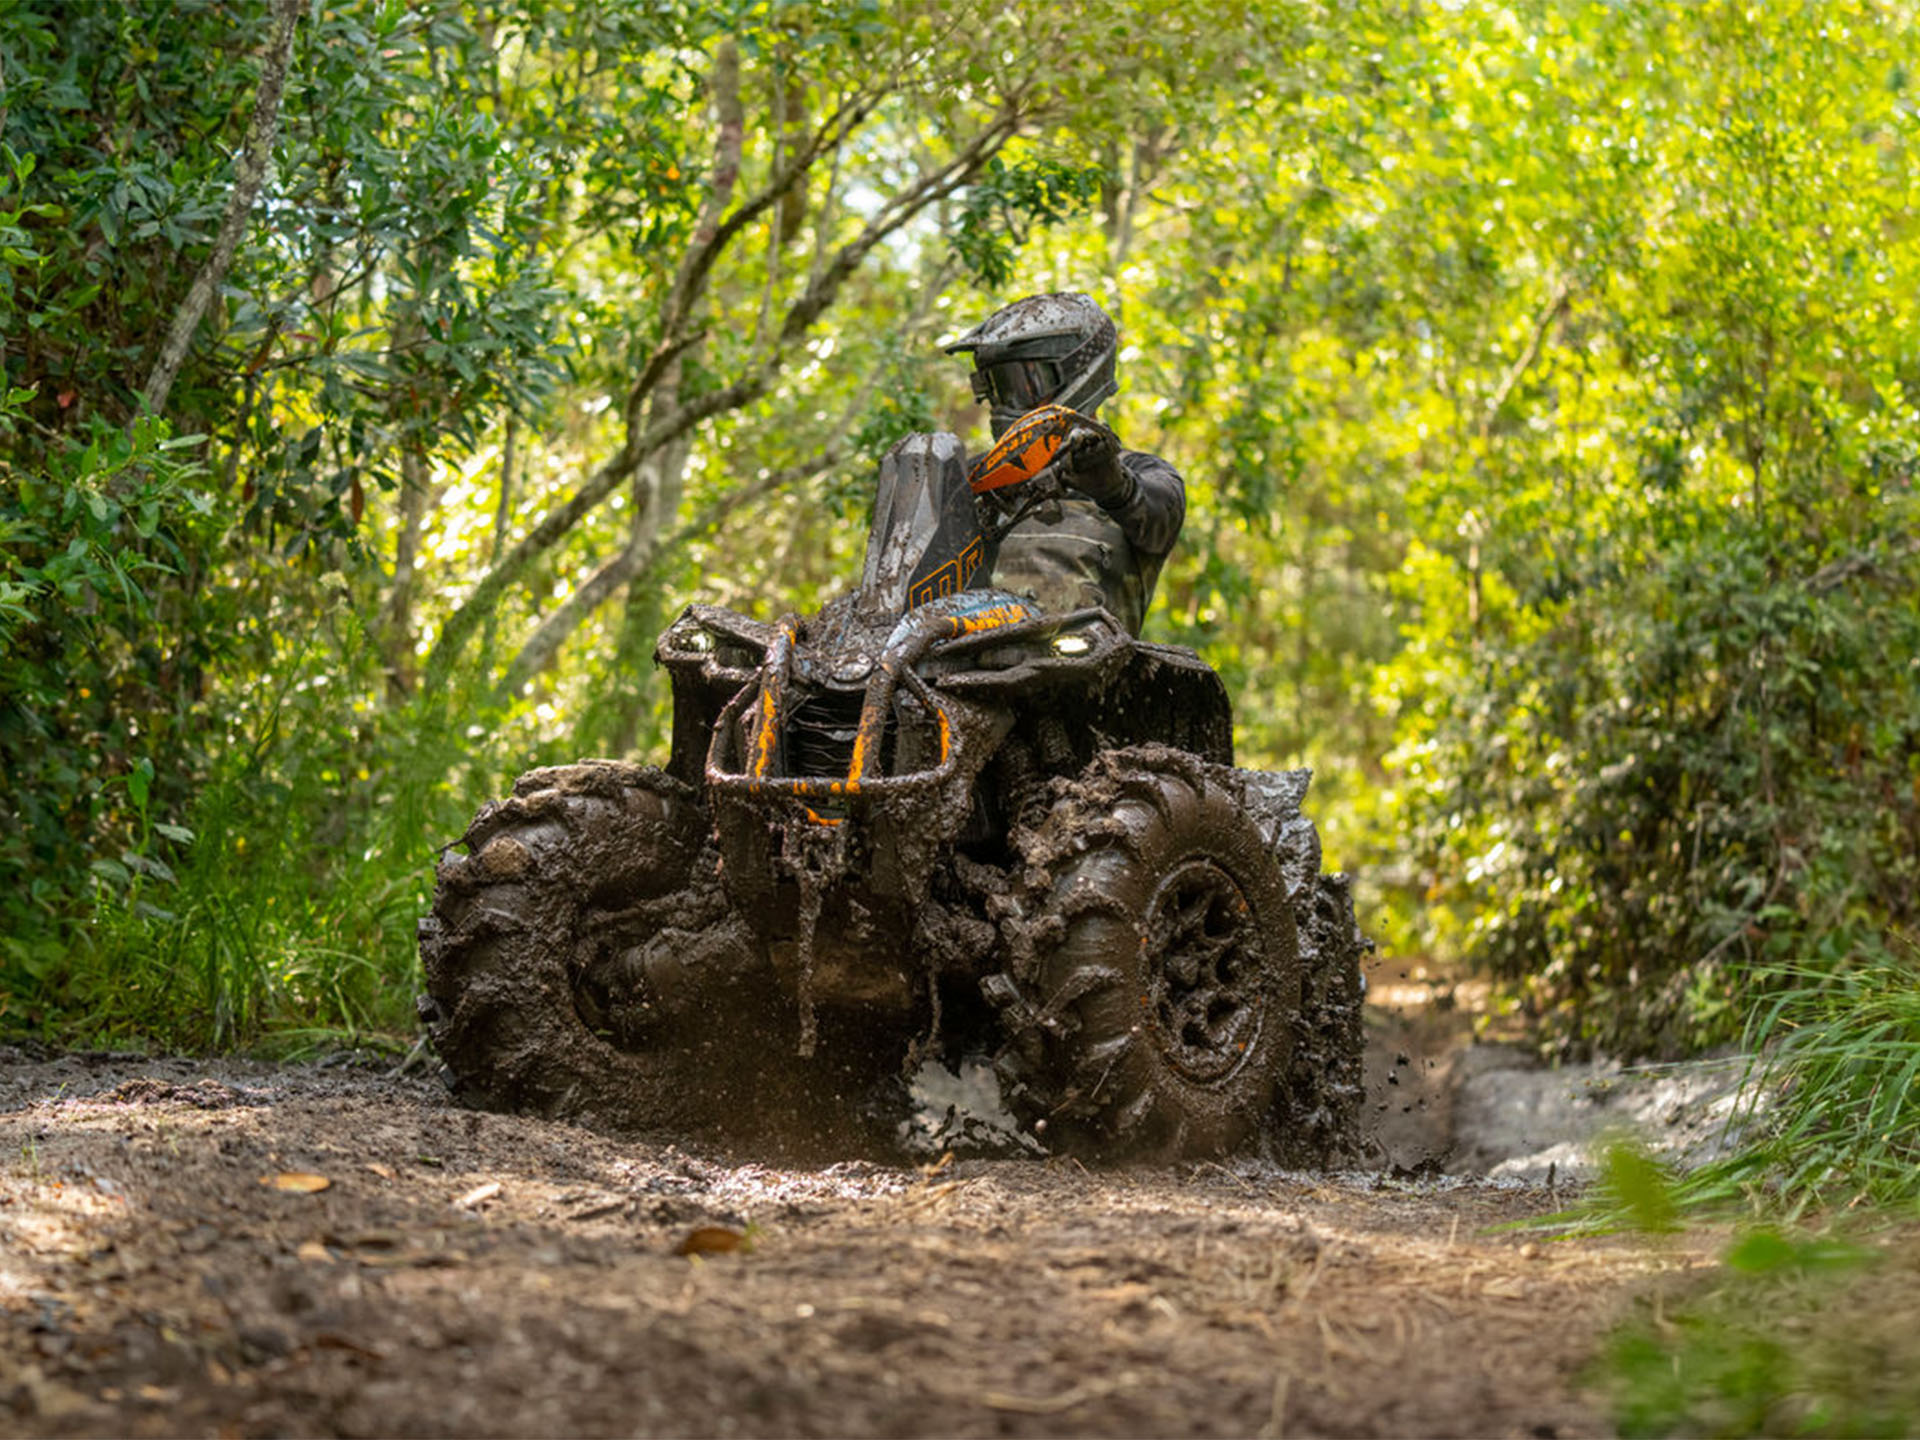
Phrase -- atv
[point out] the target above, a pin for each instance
(931, 820)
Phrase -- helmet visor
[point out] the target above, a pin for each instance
(1017, 385)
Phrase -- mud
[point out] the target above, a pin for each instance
(472, 1273)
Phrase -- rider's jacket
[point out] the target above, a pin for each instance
(1094, 556)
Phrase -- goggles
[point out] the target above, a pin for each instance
(1017, 385)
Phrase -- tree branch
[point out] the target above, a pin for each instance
(638, 556)
(1556, 303)
(820, 292)
(690, 282)
(255, 156)
(644, 547)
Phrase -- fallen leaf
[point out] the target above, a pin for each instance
(315, 1253)
(298, 1181)
(385, 1172)
(479, 1195)
(712, 1240)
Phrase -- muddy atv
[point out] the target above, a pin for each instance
(932, 821)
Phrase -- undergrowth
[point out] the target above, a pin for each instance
(275, 909)
(1829, 1117)
(1797, 1334)
(1812, 1325)
(1837, 1056)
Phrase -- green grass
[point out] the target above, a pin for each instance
(282, 917)
(1834, 1114)
(1830, 1115)
(1798, 1333)
(1812, 1329)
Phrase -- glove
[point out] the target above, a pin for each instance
(1093, 466)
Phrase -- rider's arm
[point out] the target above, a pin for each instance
(1151, 516)
(1142, 492)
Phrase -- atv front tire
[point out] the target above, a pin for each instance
(1156, 965)
(561, 881)
(1319, 1106)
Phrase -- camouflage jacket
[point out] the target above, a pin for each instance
(1093, 556)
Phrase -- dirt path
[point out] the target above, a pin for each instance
(481, 1274)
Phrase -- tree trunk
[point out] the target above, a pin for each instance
(397, 623)
(255, 156)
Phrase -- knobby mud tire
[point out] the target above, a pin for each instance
(580, 857)
(1318, 1111)
(1156, 973)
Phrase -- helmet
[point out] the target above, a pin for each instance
(1056, 349)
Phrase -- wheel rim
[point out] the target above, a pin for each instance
(1205, 967)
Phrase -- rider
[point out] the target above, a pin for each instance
(1123, 508)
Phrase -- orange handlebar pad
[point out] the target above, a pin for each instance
(1027, 448)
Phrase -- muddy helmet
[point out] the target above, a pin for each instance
(1046, 349)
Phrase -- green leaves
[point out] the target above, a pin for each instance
(1010, 203)
(1802, 1333)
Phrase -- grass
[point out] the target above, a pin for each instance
(1798, 1333)
(283, 917)
(1830, 1115)
(1812, 1324)
(1837, 1058)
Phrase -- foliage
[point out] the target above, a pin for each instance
(1008, 203)
(1834, 1117)
(1801, 1333)
(1801, 1330)
(498, 243)
(1596, 379)
(88, 700)
(1543, 375)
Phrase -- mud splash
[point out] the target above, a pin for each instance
(961, 1111)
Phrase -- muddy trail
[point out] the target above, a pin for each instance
(199, 1248)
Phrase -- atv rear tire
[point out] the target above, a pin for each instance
(582, 863)
(1156, 965)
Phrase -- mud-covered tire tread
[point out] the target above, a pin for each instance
(1318, 1111)
(571, 844)
(1079, 1056)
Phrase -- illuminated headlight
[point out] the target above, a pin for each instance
(1071, 644)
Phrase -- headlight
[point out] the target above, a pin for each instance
(1071, 644)
(694, 642)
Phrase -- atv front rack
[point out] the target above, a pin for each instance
(749, 751)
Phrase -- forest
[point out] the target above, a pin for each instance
(381, 378)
